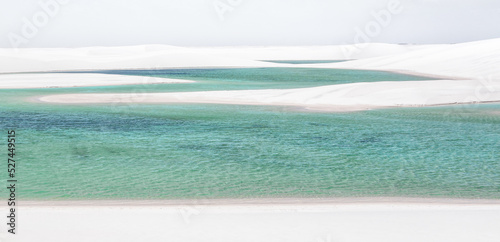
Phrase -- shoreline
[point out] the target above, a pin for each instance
(397, 71)
(420, 74)
(99, 71)
(264, 202)
(332, 98)
(64, 80)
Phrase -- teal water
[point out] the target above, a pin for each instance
(304, 61)
(223, 151)
(255, 78)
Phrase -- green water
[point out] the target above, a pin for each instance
(253, 78)
(304, 61)
(121, 151)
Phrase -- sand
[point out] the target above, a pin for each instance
(164, 56)
(328, 52)
(344, 97)
(114, 58)
(256, 221)
(472, 60)
(53, 80)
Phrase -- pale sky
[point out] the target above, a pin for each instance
(78, 23)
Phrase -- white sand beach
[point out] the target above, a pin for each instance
(473, 60)
(313, 220)
(344, 97)
(54, 80)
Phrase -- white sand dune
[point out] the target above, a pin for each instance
(477, 63)
(114, 58)
(52, 80)
(329, 52)
(164, 56)
(302, 221)
(474, 60)
(344, 97)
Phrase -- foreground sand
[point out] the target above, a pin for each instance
(315, 221)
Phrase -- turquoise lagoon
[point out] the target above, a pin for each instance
(117, 151)
(304, 61)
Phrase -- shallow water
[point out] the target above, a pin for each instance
(121, 151)
(256, 78)
(304, 61)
